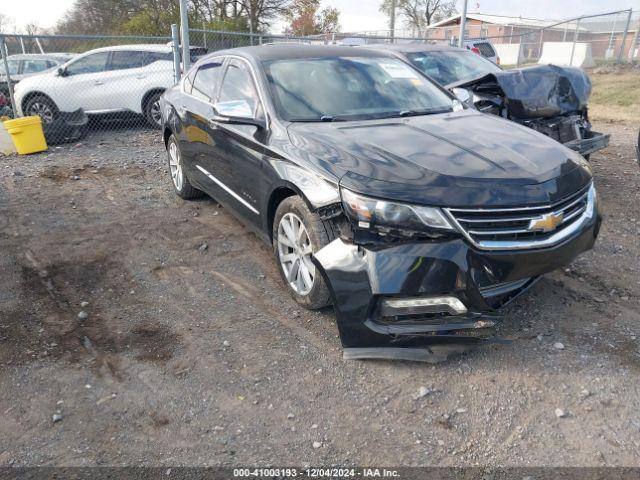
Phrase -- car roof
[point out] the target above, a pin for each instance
(415, 47)
(40, 56)
(145, 47)
(285, 51)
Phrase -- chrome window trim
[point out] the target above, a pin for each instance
(550, 241)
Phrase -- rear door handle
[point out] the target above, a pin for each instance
(141, 77)
(98, 82)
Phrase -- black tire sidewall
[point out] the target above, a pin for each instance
(319, 296)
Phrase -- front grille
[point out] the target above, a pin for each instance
(510, 227)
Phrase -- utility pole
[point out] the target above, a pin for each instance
(184, 29)
(250, 11)
(463, 22)
(392, 21)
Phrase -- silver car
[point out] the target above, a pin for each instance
(27, 64)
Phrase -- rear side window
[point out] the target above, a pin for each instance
(206, 81)
(151, 57)
(125, 59)
(14, 67)
(34, 66)
(486, 49)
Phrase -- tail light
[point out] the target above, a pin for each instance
(476, 50)
(497, 60)
(3, 100)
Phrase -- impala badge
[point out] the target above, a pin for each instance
(546, 223)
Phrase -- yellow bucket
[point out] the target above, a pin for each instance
(27, 134)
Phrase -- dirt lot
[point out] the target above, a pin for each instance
(196, 356)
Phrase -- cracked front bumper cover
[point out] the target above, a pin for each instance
(359, 277)
(586, 146)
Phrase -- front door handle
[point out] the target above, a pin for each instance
(141, 77)
(98, 82)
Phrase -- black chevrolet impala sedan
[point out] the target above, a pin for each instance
(416, 218)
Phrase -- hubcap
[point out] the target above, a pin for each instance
(175, 166)
(294, 252)
(155, 112)
(43, 111)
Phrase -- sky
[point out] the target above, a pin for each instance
(358, 15)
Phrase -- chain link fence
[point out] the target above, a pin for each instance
(582, 41)
(74, 82)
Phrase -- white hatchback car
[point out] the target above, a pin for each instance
(123, 78)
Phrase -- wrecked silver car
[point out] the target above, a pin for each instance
(549, 99)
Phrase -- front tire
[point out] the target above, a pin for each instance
(299, 233)
(179, 180)
(43, 107)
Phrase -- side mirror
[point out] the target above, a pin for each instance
(62, 72)
(462, 94)
(237, 112)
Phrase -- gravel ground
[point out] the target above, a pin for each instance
(124, 341)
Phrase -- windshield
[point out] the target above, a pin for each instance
(351, 88)
(452, 66)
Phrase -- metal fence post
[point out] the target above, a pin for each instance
(463, 21)
(575, 39)
(519, 51)
(4, 53)
(175, 35)
(634, 43)
(184, 25)
(540, 42)
(624, 36)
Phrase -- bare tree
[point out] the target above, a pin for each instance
(419, 14)
(7, 24)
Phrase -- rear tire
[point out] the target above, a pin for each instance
(152, 110)
(43, 107)
(307, 233)
(179, 180)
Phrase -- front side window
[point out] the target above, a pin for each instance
(447, 67)
(238, 91)
(34, 66)
(341, 88)
(96, 62)
(206, 81)
(126, 59)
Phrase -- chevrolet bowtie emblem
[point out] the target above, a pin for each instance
(545, 223)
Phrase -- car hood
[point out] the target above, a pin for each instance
(435, 159)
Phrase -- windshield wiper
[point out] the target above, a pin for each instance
(426, 111)
(331, 118)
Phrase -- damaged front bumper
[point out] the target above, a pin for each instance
(592, 142)
(363, 278)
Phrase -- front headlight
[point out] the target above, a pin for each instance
(385, 216)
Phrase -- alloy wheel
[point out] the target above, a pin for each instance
(294, 253)
(175, 166)
(155, 113)
(42, 110)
